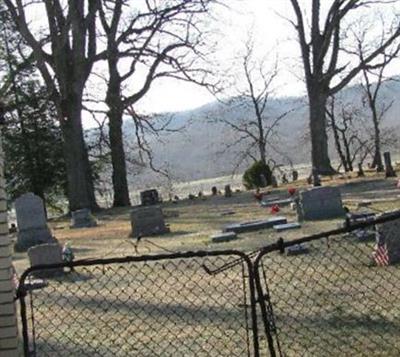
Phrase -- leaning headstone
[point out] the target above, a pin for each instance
(149, 197)
(320, 203)
(45, 254)
(82, 218)
(389, 171)
(31, 222)
(228, 191)
(147, 221)
(388, 237)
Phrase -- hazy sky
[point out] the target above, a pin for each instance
(271, 33)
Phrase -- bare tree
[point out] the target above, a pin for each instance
(65, 51)
(326, 73)
(349, 134)
(377, 107)
(256, 128)
(157, 39)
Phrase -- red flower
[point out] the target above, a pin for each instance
(291, 191)
(275, 209)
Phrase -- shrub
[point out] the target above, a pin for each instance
(257, 175)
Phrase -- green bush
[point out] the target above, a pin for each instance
(252, 178)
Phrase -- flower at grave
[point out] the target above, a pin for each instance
(275, 209)
(291, 191)
(67, 253)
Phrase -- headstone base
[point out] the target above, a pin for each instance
(32, 237)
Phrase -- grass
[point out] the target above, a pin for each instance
(328, 302)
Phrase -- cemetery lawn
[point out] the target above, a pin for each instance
(192, 222)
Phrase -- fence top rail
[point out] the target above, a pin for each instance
(280, 244)
(128, 259)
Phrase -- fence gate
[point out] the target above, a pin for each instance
(164, 305)
(329, 297)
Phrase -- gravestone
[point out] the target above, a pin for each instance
(287, 226)
(274, 181)
(389, 171)
(82, 218)
(228, 191)
(295, 175)
(254, 225)
(223, 237)
(297, 249)
(388, 234)
(147, 221)
(316, 180)
(31, 222)
(149, 197)
(45, 254)
(320, 203)
(214, 191)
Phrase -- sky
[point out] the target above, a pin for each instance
(273, 36)
(270, 32)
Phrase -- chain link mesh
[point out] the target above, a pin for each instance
(333, 300)
(170, 307)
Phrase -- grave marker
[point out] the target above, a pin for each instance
(320, 203)
(147, 221)
(31, 222)
(45, 254)
(82, 219)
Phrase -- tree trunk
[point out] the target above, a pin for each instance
(115, 114)
(377, 161)
(120, 183)
(319, 139)
(80, 181)
(338, 144)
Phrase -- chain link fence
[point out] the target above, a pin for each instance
(331, 295)
(143, 306)
(334, 293)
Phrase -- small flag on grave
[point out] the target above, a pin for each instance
(381, 255)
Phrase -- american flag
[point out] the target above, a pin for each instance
(381, 255)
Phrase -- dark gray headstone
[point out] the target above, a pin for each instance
(320, 203)
(149, 197)
(295, 175)
(45, 254)
(31, 221)
(147, 221)
(82, 218)
(228, 191)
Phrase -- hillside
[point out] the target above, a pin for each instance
(197, 152)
